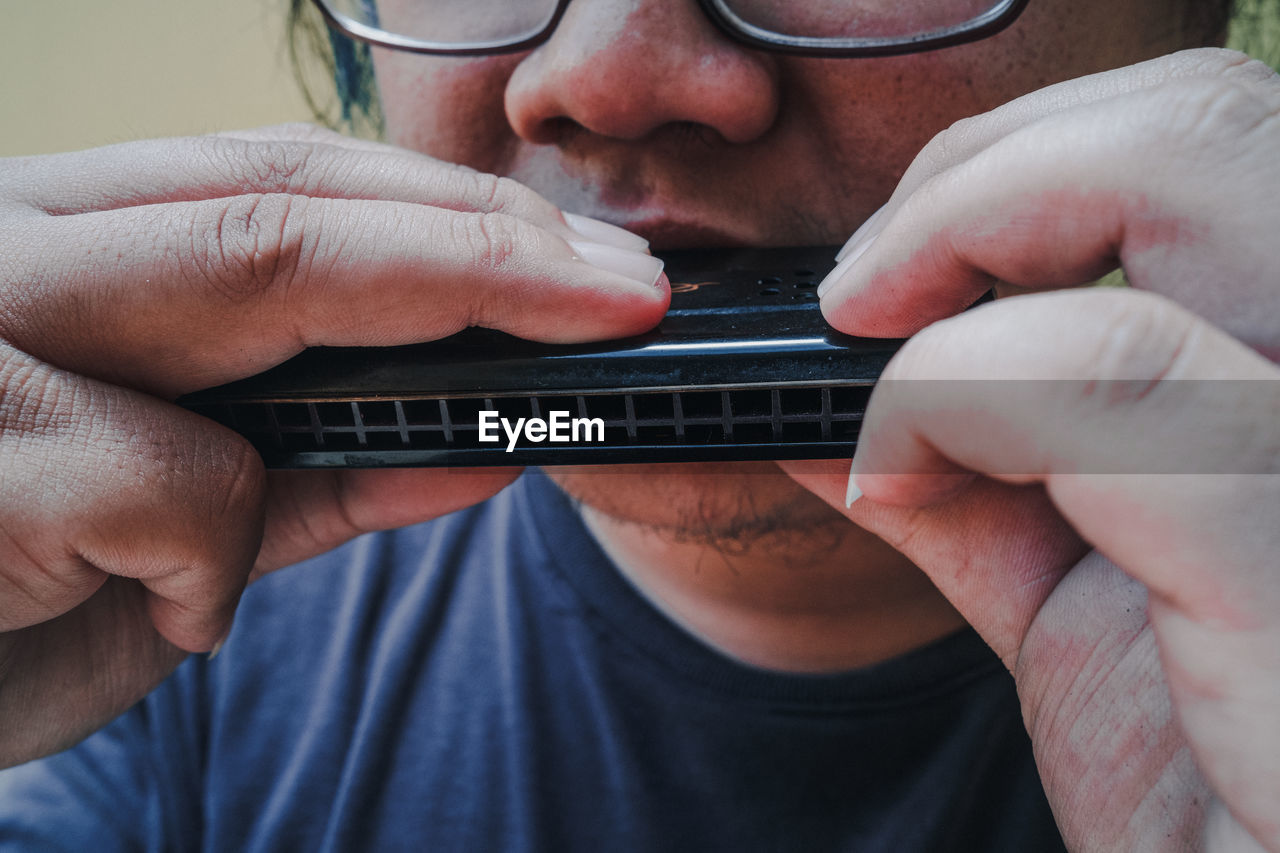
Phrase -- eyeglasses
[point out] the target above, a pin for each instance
(832, 28)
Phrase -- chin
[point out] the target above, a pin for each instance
(720, 502)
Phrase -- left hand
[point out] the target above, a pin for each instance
(1112, 536)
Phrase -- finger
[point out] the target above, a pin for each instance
(66, 677)
(1155, 437)
(1065, 199)
(1107, 415)
(1073, 631)
(995, 551)
(288, 160)
(102, 481)
(310, 512)
(1071, 366)
(176, 297)
(970, 136)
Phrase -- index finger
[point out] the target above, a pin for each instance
(971, 136)
(1174, 182)
(1122, 404)
(291, 159)
(1155, 436)
(178, 297)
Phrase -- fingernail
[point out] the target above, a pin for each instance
(598, 231)
(844, 266)
(851, 492)
(866, 228)
(625, 262)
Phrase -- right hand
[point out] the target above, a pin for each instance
(136, 273)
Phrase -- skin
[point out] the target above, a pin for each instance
(1146, 668)
(741, 558)
(666, 155)
(1124, 519)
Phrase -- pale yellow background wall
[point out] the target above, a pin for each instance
(78, 73)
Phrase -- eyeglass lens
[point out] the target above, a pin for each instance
(451, 21)
(845, 19)
(462, 22)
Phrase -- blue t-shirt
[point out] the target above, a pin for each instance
(490, 682)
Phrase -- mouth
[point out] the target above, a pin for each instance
(666, 233)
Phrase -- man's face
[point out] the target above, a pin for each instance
(642, 113)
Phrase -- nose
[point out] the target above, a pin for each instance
(624, 68)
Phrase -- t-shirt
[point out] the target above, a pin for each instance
(490, 682)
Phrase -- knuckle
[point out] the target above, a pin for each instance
(492, 239)
(235, 511)
(205, 486)
(1230, 64)
(237, 477)
(1204, 113)
(33, 400)
(1250, 71)
(256, 242)
(512, 197)
(278, 166)
(1141, 337)
(949, 145)
(269, 165)
(486, 193)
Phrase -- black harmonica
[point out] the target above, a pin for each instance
(742, 367)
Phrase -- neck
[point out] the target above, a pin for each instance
(827, 598)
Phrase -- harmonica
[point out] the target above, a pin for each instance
(742, 367)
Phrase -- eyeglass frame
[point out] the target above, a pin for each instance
(998, 18)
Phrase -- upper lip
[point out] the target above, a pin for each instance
(665, 232)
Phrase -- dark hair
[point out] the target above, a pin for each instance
(348, 95)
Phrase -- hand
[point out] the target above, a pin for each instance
(136, 273)
(1107, 521)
